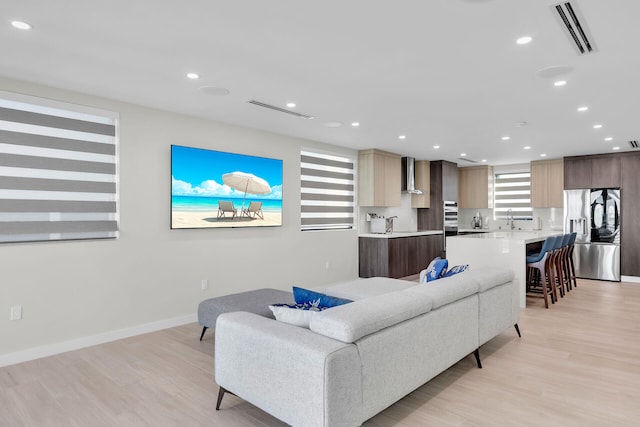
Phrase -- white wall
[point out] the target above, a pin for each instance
(151, 274)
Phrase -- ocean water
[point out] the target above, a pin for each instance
(199, 204)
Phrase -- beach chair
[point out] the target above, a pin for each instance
(254, 210)
(226, 207)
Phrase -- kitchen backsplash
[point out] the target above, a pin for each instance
(551, 219)
(407, 217)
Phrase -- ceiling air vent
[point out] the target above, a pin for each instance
(574, 25)
(464, 159)
(633, 143)
(282, 110)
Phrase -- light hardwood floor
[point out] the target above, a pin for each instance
(577, 364)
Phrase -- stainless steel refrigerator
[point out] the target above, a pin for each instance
(594, 214)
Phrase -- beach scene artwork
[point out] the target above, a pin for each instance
(213, 189)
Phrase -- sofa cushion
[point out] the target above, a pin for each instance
(365, 288)
(447, 289)
(306, 296)
(490, 277)
(350, 322)
(295, 314)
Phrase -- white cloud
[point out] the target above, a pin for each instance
(212, 188)
(180, 188)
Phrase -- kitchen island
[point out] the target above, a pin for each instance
(397, 254)
(499, 248)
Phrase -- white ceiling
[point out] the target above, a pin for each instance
(441, 72)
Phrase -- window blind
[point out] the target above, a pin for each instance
(58, 170)
(512, 196)
(327, 191)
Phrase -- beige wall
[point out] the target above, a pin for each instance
(73, 290)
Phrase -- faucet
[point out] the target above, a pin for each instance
(510, 218)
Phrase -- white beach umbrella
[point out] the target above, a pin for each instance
(247, 182)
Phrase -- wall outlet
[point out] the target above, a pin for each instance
(16, 312)
(205, 284)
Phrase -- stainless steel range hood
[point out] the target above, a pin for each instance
(409, 176)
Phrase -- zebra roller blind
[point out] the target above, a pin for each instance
(327, 191)
(58, 170)
(512, 194)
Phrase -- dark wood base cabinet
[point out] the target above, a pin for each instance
(397, 256)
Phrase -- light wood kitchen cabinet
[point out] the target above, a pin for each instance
(379, 178)
(423, 182)
(475, 187)
(547, 183)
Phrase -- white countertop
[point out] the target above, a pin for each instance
(527, 236)
(397, 234)
(473, 230)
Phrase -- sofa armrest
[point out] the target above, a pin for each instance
(294, 374)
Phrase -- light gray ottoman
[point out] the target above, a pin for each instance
(257, 302)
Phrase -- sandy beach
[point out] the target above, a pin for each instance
(208, 219)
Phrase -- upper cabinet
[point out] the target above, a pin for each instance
(379, 178)
(475, 187)
(547, 183)
(423, 182)
(591, 172)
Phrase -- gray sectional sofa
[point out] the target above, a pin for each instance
(357, 359)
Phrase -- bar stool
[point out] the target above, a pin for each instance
(556, 268)
(564, 263)
(538, 272)
(570, 266)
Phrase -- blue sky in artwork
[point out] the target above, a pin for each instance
(198, 172)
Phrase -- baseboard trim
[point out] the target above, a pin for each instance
(78, 343)
(630, 279)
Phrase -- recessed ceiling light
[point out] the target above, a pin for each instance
(608, 138)
(21, 25)
(193, 76)
(463, 154)
(355, 124)
(524, 40)
(506, 138)
(333, 124)
(527, 148)
(291, 104)
(484, 160)
(598, 126)
(543, 155)
(402, 137)
(585, 108)
(436, 146)
(615, 148)
(560, 83)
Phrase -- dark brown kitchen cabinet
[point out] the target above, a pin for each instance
(397, 256)
(597, 171)
(630, 221)
(444, 186)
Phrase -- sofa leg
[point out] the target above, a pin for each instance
(204, 329)
(476, 353)
(517, 330)
(221, 393)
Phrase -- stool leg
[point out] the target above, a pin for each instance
(204, 329)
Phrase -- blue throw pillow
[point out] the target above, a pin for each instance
(305, 296)
(436, 269)
(456, 270)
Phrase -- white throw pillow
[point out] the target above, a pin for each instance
(294, 314)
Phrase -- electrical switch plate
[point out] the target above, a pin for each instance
(205, 284)
(16, 312)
